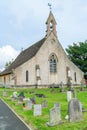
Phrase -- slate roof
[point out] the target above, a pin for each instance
(24, 56)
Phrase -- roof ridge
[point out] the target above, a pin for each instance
(24, 56)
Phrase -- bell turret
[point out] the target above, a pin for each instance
(51, 24)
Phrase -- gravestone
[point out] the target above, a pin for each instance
(21, 94)
(69, 95)
(55, 116)
(61, 87)
(44, 104)
(74, 93)
(21, 97)
(14, 96)
(75, 110)
(4, 93)
(20, 100)
(37, 109)
(33, 99)
(29, 104)
(56, 105)
(82, 85)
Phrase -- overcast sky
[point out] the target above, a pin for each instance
(22, 23)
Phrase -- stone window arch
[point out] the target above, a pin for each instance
(53, 63)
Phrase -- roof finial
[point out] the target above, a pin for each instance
(50, 6)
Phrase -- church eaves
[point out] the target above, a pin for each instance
(24, 56)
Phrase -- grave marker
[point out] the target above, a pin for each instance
(44, 104)
(4, 93)
(37, 109)
(55, 116)
(75, 110)
(69, 95)
(29, 104)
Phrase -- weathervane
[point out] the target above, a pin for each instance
(50, 6)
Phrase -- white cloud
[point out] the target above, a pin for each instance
(23, 21)
(7, 53)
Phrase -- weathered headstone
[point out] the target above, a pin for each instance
(82, 85)
(61, 87)
(21, 94)
(14, 96)
(56, 105)
(33, 99)
(69, 95)
(74, 93)
(55, 116)
(29, 104)
(44, 104)
(37, 109)
(75, 110)
(4, 93)
(20, 100)
(21, 97)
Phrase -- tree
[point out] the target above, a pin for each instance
(77, 53)
(8, 64)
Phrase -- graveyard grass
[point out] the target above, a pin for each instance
(52, 96)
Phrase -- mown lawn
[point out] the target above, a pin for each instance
(52, 96)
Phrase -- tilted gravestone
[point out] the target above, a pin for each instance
(75, 110)
(69, 95)
(55, 116)
(37, 110)
(44, 104)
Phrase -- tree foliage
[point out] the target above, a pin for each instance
(77, 53)
(8, 64)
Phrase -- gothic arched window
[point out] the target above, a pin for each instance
(53, 64)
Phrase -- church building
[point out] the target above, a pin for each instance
(42, 64)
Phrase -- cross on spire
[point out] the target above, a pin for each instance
(50, 6)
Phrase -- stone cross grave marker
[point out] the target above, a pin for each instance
(55, 116)
(37, 109)
(69, 95)
(75, 110)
